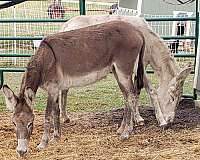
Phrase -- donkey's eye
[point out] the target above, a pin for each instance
(14, 124)
(30, 125)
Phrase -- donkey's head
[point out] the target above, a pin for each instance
(22, 118)
(169, 95)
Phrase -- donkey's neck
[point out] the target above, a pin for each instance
(32, 77)
(161, 60)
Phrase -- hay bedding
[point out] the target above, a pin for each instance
(93, 136)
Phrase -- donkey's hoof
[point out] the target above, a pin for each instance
(41, 146)
(120, 131)
(163, 124)
(130, 129)
(166, 126)
(140, 123)
(54, 140)
(124, 136)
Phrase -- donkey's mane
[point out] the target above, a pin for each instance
(32, 77)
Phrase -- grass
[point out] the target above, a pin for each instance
(101, 96)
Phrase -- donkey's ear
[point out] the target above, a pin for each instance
(10, 97)
(177, 82)
(29, 96)
(184, 73)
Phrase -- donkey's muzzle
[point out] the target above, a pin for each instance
(22, 147)
(21, 152)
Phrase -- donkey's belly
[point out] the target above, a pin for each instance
(68, 81)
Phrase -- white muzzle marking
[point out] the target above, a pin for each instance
(22, 146)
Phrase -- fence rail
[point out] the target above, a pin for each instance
(82, 9)
(15, 55)
(155, 19)
(40, 38)
(31, 20)
(64, 20)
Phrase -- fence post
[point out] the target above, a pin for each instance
(1, 79)
(196, 40)
(82, 7)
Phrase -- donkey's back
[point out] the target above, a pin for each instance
(86, 55)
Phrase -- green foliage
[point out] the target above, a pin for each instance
(101, 96)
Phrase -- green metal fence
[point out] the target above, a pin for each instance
(82, 10)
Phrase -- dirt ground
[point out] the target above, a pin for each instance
(93, 136)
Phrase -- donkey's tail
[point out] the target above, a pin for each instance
(140, 69)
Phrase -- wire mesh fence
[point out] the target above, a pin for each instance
(38, 10)
(70, 8)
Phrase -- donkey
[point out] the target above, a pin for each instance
(73, 59)
(157, 54)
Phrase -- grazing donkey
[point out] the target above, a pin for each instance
(73, 59)
(170, 77)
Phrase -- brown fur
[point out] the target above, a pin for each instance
(79, 52)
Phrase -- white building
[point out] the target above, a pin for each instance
(159, 7)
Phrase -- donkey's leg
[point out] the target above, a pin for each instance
(63, 104)
(126, 109)
(124, 120)
(154, 100)
(131, 102)
(56, 117)
(47, 124)
(126, 85)
(137, 117)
